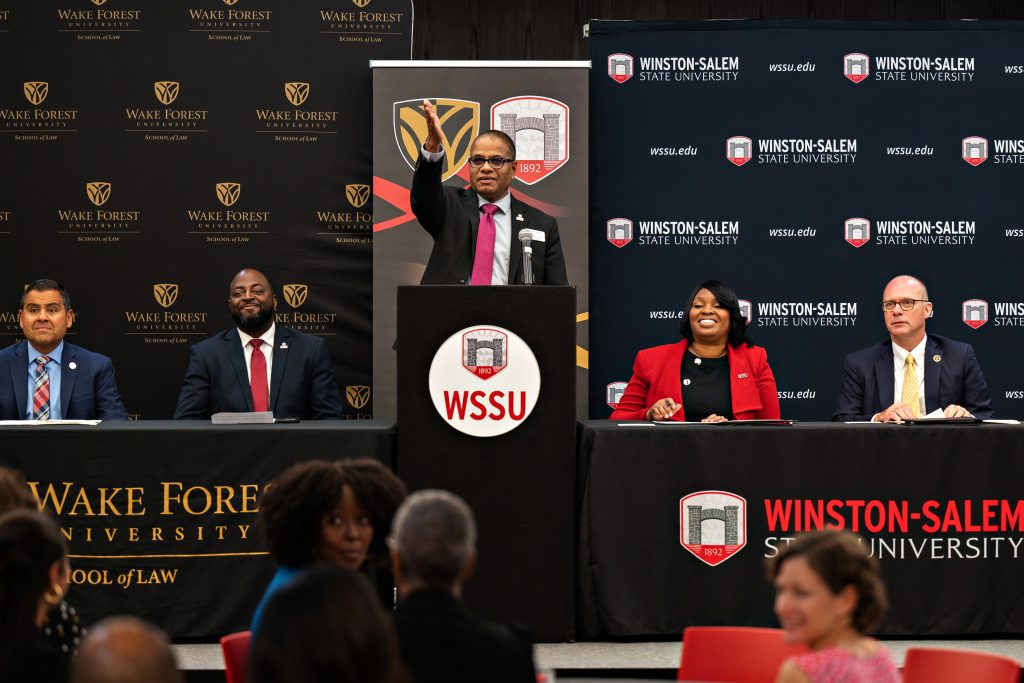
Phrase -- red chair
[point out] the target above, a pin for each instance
(738, 654)
(235, 647)
(931, 665)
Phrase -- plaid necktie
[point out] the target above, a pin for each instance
(41, 392)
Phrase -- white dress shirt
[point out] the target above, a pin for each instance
(502, 227)
(899, 360)
(267, 350)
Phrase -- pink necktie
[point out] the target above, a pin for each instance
(258, 378)
(483, 260)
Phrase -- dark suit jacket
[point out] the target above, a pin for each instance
(302, 381)
(452, 217)
(87, 392)
(951, 375)
(442, 642)
(657, 372)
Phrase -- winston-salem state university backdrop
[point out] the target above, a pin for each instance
(806, 163)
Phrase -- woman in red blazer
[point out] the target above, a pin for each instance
(714, 369)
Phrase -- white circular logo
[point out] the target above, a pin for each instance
(484, 380)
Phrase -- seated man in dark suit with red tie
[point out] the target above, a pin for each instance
(46, 378)
(476, 229)
(258, 366)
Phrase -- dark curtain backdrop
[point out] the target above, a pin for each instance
(553, 29)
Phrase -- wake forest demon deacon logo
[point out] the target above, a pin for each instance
(713, 525)
(357, 195)
(166, 91)
(620, 67)
(228, 193)
(620, 231)
(165, 294)
(974, 150)
(460, 124)
(484, 380)
(36, 91)
(540, 128)
(295, 294)
(739, 149)
(857, 231)
(856, 67)
(98, 192)
(296, 93)
(357, 395)
(974, 313)
(613, 392)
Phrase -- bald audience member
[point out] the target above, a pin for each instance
(433, 552)
(125, 650)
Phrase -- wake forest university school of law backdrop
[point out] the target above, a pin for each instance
(152, 149)
(806, 164)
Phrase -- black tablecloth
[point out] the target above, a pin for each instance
(950, 570)
(160, 516)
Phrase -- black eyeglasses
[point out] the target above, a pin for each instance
(905, 304)
(495, 162)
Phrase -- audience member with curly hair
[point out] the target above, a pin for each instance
(828, 595)
(330, 513)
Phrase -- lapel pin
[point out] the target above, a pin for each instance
(72, 365)
(742, 375)
(519, 217)
(284, 345)
(937, 358)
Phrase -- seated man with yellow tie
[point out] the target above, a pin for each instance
(912, 373)
(258, 366)
(45, 378)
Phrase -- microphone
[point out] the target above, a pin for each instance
(526, 237)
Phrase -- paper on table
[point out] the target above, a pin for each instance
(261, 418)
(30, 423)
(1001, 422)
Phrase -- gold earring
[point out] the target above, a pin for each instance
(55, 597)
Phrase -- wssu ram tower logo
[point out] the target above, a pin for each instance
(161, 322)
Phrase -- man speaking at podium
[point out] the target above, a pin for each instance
(476, 231)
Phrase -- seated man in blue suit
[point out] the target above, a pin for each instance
(912, 373)
(44, 378)
(257, 366)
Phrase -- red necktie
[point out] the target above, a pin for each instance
(41, 391)
(258, 378)
(483, 260)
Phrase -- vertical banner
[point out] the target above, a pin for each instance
(153, 149)
(806, 164)
(542, 105)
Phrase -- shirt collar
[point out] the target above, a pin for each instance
(899, 354)
(505, 203)
(54, 355)
(267, 337)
